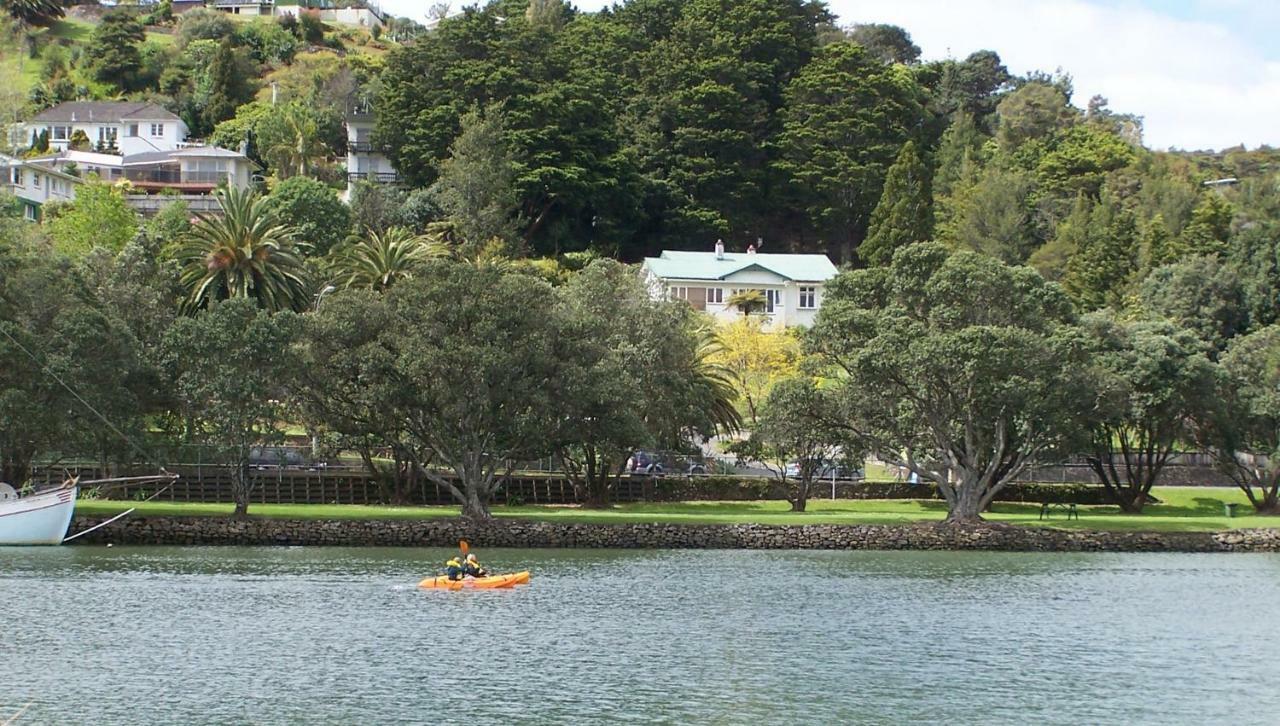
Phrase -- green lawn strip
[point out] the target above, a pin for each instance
(1184, 509)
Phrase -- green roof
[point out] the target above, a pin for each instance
(704, 265)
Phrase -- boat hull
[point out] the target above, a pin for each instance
(492, 582)
(40, 519)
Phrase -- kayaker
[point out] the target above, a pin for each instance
(453, 569)
(472, 567)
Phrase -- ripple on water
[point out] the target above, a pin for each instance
(296, 635)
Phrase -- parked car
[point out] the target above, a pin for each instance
(653, 464)
(263, 458)
(827, 470)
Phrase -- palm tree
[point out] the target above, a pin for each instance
(381, 259)
(716, 380)
(747, 301)
(245, 252)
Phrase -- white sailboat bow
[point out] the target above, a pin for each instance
(38, 519)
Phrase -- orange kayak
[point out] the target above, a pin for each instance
(479, 583)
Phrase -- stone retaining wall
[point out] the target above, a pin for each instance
(447, 532)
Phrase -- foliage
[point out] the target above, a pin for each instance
(114, 49)
(1105, 259)
(226, 364)
(1150, 381)
(1243, 430)
(847, 116)
(288, 138)
(989, 213)
(33, 12)
(243, 253)
(1200, 294)
(747, 301)
(476, 185)
(99, 216)
(799, 426)
(266, 41)
(204, 24)
(228, 88)
(756, 360)
(380, 259)
(313, 211)
(957, 366)
(43, 309)
(376, 207)
(1036, 111)
(632, 376)
(889, 43)
(905, 212)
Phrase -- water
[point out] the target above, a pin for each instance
(341, 636)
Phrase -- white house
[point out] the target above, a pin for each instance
(792, 285)
(365, 161)
(111, 126)
(154, 177)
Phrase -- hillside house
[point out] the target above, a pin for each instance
(792, 285)
(112, 127)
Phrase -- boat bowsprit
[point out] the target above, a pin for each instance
(489, 582)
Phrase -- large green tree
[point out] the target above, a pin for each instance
(227, 364)
(476, 186)
(957, 366)
(847, 115)
(637, 376)
(33, 12)
(1150, 382)
(113, 49)
(99, 216)
(904, 214)
(313, 211)
(1243, 429)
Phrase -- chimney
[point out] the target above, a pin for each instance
(719, 249)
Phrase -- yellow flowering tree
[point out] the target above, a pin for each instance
(757, 359)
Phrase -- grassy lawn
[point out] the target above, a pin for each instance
(1184, 509)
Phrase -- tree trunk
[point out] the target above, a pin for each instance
(597, 494)
(240, 490)
(967, 507)
(474, 507)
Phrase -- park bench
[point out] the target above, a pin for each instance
(1046, 509)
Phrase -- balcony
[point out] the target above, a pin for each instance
(363, 147)
(377, 177)
(241, 3)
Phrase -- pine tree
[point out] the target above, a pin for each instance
(959, 149)
(1210, 226)
(113, 49)
(227, 90)
(905, 212)
(1159, 247)
(1100, 270)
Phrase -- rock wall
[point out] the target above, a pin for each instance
(508, 533)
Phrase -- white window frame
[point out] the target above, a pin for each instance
(60, 133)
(35, 180)
(772, 300)
(715, 296)
(29, 212)
(157, 131)
(808, 293)
(131, 131)
(15, 176)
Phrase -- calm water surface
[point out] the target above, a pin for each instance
(342, 636)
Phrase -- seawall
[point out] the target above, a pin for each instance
(446, 532)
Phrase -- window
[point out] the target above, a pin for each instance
(715, 295)
(808, 297)
(29, 211)
(157, 130)
(772, 299)
(131, 131)
(35, 180)
(107, 136)
(15, 174)
(60, 133)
